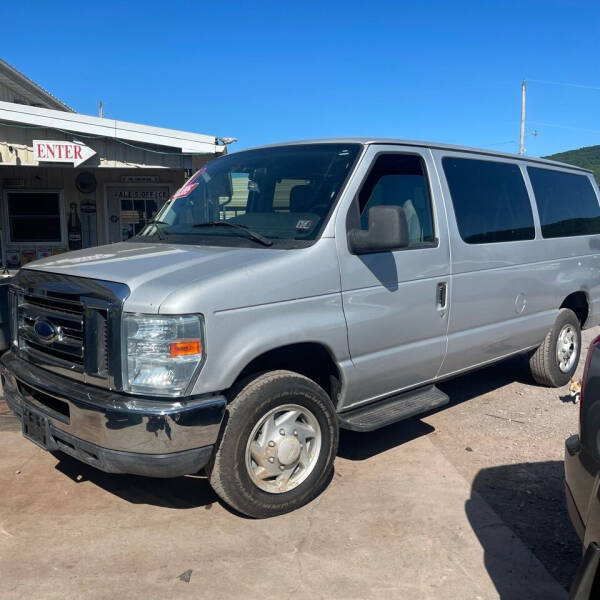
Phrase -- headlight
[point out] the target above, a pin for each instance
(161, 353)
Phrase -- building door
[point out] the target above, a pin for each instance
(130, 206)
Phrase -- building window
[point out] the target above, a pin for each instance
(34, 217)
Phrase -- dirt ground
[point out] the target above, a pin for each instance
(505, 435)
(466, 502)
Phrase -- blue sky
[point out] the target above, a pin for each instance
(267, 71)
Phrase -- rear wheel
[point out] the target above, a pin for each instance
(278, 445)
(555, 361)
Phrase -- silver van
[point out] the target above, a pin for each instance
(288, 291)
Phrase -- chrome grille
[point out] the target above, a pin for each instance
(53, 304)
(65, 316)
(83, 317)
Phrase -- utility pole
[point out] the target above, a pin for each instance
(522, 137)
(100, 109)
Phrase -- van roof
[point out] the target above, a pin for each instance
(433, 145)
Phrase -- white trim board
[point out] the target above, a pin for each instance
(186, 142)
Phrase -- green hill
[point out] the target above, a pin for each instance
(588, 158)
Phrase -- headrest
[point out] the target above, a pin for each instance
(301, 198)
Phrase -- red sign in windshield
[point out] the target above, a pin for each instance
(189, 186)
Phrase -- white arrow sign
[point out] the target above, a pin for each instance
(61, 151)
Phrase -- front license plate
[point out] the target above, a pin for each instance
(35, 428)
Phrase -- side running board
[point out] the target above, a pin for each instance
(390, 410)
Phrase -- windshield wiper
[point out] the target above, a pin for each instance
(253, 235)
(161, 234)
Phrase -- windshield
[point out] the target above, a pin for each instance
(271, 197)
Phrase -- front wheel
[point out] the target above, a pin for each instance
(555, 361)
(278, 445)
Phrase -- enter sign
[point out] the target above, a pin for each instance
(61, 151)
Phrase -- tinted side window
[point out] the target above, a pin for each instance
(399, 180)
(566, 202)
(490, 200)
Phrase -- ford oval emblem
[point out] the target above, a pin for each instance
(45, 331)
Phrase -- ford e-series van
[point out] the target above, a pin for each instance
(289, 291)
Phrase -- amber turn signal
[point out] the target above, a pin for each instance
(186, 348)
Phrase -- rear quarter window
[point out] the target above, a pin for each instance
(566, 202)
(490, 200)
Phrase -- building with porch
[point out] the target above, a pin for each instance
(69, 180)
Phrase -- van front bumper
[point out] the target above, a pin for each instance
(114, 432)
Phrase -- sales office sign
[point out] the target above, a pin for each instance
(61, 152)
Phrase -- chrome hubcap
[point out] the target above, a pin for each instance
(566, 348)
(283, 448)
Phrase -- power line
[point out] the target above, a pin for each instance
(565, 127)
(500, 143)
(567, 84)
(531, 133)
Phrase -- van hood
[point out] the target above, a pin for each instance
(135, 263)
(240, 276)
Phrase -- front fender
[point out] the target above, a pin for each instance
(236, 337)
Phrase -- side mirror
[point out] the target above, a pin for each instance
(388, 230)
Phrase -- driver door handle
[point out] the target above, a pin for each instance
(441, 295)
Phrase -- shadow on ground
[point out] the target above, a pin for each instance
(195, 491)
(191, 491)
(488, 379)
(181, 492)
(360, 446)
(529, 498)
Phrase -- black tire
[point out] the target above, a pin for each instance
(229, 476)
(544, 362)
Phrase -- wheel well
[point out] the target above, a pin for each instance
(306, 358)
(577, 302)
